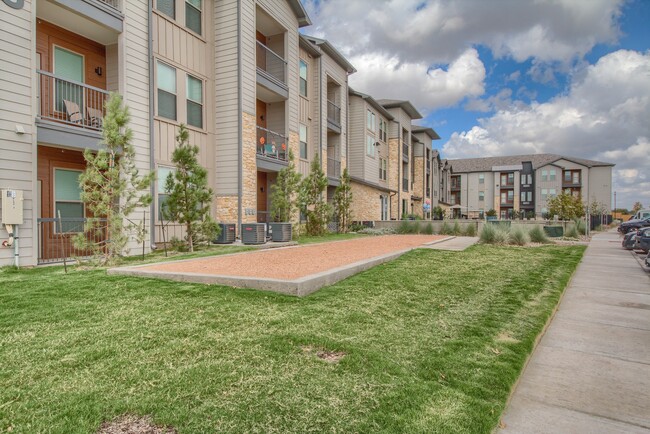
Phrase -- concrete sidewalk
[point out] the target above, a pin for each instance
(590, 372)
(454, 244)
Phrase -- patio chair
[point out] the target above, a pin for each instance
(73, 112)
(95, 117)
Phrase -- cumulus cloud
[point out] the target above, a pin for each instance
(603, 116)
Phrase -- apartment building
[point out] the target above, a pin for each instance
(425, 163)
(524, 183)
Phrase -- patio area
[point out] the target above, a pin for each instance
(297, 270)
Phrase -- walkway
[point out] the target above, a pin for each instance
(455, 244)
(590, 372)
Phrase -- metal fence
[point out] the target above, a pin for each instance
(70, 102)
(333, 113)
(333, 168)
(55, 239)
(271, 63)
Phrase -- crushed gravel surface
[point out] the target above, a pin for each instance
(295, 262)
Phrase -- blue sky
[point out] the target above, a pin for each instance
(510, 76)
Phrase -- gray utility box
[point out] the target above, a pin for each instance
(280, 232)
(253, 233)
(227, 234)
(12, 207)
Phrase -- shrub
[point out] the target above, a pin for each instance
(470, 230)
(356, 227)
(428, 229)
(572, 232)
(501, 236)
(488, 234)
(457, 229)
(581, 227)
(537, 235)
(518, 237)
(446, 229)
(407, 227)
(375, 231)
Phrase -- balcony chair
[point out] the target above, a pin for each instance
(73, 112)
(95, 117)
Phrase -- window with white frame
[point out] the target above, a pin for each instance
(370, 146)
(167, 7)
(551, 192)
(193, 14)
(67, 199)
(544, 194)
(544, 175)
(303, 142)
(383, 130)
(166, 76)
(303, 78)
(551, 175)
(194, 101)
(383, 173)
(371, 121)
(481, 178)
(163, 174)
(481, 196)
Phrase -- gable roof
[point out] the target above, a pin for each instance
(403, 104)
(301, 13)
(486, 164)
(428, 131)
(332, 52)
(373, 102)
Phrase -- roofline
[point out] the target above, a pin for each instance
(301, 13)
(571, 159)
(371, 184)
(310, 47)
(333, 53)
(427, 130)
(406, 106)
(373, 102)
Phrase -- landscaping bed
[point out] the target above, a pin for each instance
(430, 342)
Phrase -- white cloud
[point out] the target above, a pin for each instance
(603, 116)
(385, 77)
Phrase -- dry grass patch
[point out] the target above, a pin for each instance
(323, 354)
(131, 424)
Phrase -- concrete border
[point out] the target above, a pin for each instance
(298, 287)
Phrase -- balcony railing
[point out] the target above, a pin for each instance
(405, 184)
(405, 150)
(115, 4)
(333, 113)
(271, 144)
(55, 239)
(272, 64)
(428, 166)
(428, 191)
(70, 102)
(333, 168)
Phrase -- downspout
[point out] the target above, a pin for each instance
(240, 172)
(152, 159)
(320, 110)
(400, 176)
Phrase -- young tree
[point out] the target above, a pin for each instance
(343, 202)
(566, 206)
(112, 188)
(636, 207)
(310, 199)
(283, 204)
(189, 195)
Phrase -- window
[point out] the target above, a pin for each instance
(511, 178)
(163, 173)
(576, 177)
(511, 196)
(370, 146)
(383, 172)
(303, 142)
(529, 195)
(551, 175)
(194, 102)
(69, 97)
(371, 121)
(481, 178)
(526, 179)
(481, 196)
(544, 194)
(551, 192)
(193, 15)
(383, 128)
(567, 176)
(303, 78)
(523, 196)
(67, 198)
(166, 91)
(544, 175)
(167, 7)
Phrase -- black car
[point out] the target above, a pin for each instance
(634, 224)
(642, 239)
(629, 240)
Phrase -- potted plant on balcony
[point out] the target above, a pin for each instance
(283, 206)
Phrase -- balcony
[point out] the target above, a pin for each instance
(405, 152)
(428, 167)
(333, 168)
(99, 20)
(405, 184)
(428, 191)
(333, 117)
(271, 75)
(272, 145)
(115, 4)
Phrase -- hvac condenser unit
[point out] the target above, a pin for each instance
(253, 233)
(12, 207)
(227, 234)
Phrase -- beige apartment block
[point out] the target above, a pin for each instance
(522, 184)
(426, 164)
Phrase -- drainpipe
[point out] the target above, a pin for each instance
(400, 176)
(240, 172)
(320, 110)
(152, 159)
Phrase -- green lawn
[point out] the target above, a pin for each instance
(433, 341)
(306, 239)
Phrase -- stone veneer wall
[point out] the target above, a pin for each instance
(394, 183)
(418, 185)
(227, 209)
(365, 202)
(249, 167)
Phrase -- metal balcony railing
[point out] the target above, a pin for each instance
(405, 150)
(55, 238)
(271, 144)
(333, 113)
(273, 65)
(428, 192)
(333, 168)
(405, 184)
(115, 4)
(70, 102)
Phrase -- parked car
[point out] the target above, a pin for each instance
(629, 240)
(641, 214)
(642, 239)
(629, 225)
(647, 260)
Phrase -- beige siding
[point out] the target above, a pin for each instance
(18, 162)
(338, 75)
(371, 163)
(600, 185)
(226, 118)
(356, 139)
(112, 68)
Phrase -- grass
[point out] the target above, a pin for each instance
(306, 239)
(173, 255)
(431, 342)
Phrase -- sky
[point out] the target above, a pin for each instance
(508, 77)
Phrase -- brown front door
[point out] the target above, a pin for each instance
(262, 195)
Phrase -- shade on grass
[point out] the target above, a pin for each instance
(433, 342)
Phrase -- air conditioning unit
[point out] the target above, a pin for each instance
(253, 233)
(227, 234)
